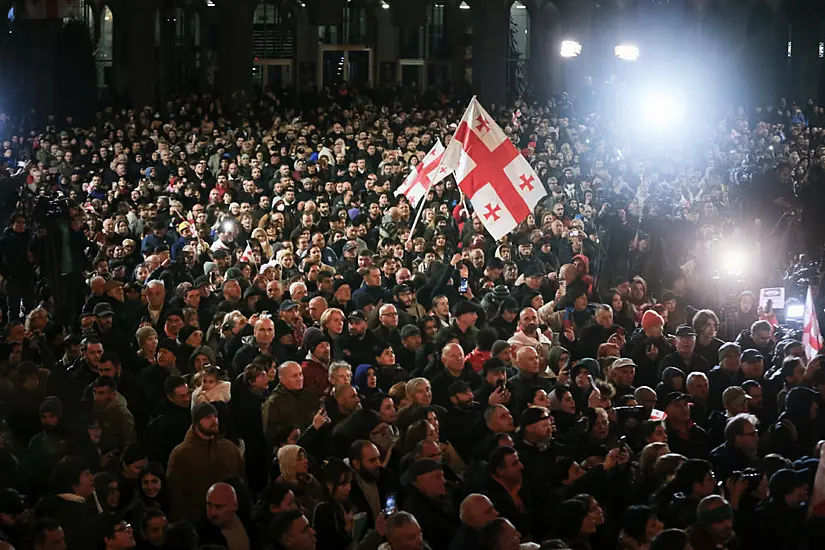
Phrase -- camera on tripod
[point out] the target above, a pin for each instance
(50, 209)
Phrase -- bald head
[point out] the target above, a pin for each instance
(221, 504)
(529, 320)
(317, 306)
(527, 360)
(452, 355)
(97, 285)
(477, 511)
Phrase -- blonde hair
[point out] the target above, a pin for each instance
(36, 312)
(413, 386)
(262, 237)
(329, 313)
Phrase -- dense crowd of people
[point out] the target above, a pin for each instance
(226, 333)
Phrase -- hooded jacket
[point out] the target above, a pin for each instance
(194, 466)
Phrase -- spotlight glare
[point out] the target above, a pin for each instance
(627, 52)
(733, 262)
(795, 311)
(662, 110)
(570, 48)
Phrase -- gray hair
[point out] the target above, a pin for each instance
(335, 366)
(736, 424)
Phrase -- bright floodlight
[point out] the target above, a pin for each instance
(795, 311)
(733, 261)
(626, 52)
(570, 48)
(661, 109)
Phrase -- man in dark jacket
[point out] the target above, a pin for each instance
(758, 338)
(167, 430)
(596, 334)
(740, 449)
(202, 459)
(154, 376)
(259, 344)
(16, 266)
(454, 369)
(221, 524)
(727, 373)
(506, 472)
(72, 504)
(289, 404)
(475, 513)
(683, 436)
(462, 424)
(429, 502)
(359, 342)
(684, 358)
(83, 372)
(248, 396)
(371, 483)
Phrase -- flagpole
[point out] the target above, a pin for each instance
(418, 214)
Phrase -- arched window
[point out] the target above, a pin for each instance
(105, 45)
(518, 51)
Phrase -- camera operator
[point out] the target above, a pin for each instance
(60, 247)
(16, 266)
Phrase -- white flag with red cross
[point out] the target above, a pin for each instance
(492, 173)
(248, 255)
(811, 337)
(424, 175)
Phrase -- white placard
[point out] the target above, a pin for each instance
(776, 295)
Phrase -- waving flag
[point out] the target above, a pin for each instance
(495, 177)
(426, 173)
(247, 255)
(811, 338)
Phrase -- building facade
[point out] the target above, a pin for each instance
(147, 49)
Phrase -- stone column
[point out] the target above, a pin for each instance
(545, 40)
(235, 52)
(142, 63)
(491, 27)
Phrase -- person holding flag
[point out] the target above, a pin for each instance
(811, 337)
(491, 172)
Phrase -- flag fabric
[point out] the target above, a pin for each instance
(425, 174)
(247, 255)
(497, 180)
(811, 338)
(49, 9)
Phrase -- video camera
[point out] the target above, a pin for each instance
(49, 209)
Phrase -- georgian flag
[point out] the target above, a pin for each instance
(424, 175)
(811, 337)
(248, 256)
(492, 173)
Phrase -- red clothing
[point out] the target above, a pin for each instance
(477, 357)
(316, 377)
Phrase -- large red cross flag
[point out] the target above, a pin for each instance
(811, 337)
(425, 174)
(491, 172)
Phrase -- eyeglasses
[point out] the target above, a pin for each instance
(123, 527)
